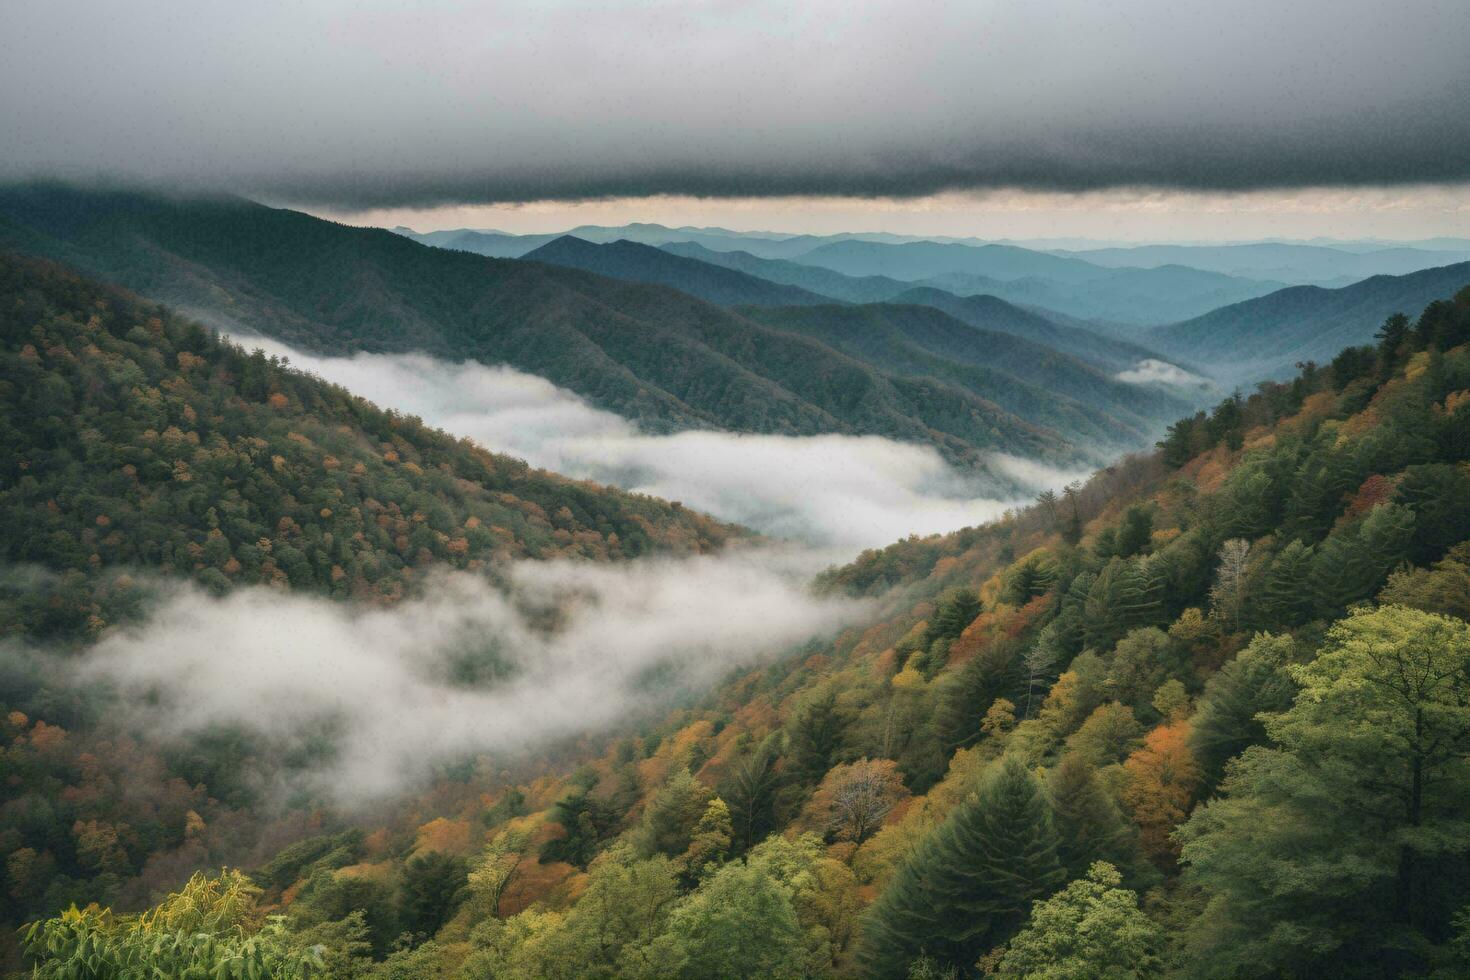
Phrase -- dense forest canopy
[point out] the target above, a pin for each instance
(1205, 716)
(136, 438)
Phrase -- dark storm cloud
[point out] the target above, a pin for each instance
(357, 104)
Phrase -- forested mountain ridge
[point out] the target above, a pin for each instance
(635, 262)
(1026, 378)
(849, 289)
(1293, 263)
(654, 355)
(993, 313)
(979, 309)
(1122, 728)
(1062, 282)
(135, 439)
(1268, 336)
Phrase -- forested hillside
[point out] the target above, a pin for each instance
(850, 289)
(1269, 336)
(135, 438)
(1062, 282)
(983, 311)
(1025, 378)
(653, 355)
(635, 262)
(1207, 716)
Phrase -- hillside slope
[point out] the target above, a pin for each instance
(1061, 282)
(1291, 263)
(1063, 707)
(924, 260)
(976, 307)
(635, 262)
(849, 289)
(1018, 374)
(992, 313)
(490, 244)
(652, 354)
(135, 438)
(1266, 337)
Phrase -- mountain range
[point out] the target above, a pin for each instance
(1267, 337)
(650, 353)
(1288, 263)
(1117, 288)
(636, 262)
(721, 282)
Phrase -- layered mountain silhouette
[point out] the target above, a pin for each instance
(1267, 337)
(1291, 263)
(653, 354)
(636, 262)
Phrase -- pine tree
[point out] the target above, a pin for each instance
(1135, 533)
(1283, 599)
(1090, 826)
(1127, 593)
(1227, 721)
(957, 608)
(1353, 563)
(964, 698)
(969, 885)
(750, 792)
(816, 737)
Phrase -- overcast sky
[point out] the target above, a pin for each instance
(341, 106)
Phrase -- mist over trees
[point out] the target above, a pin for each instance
(1204, 716)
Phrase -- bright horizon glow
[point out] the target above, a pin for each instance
(1123, 216)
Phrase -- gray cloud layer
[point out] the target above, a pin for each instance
(344, 104)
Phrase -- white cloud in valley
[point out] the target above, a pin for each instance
(561, 649)
(847, 492)
(1152, 371)
(549, 650)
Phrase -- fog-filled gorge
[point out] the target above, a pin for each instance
(707, 491)
(837, 491)
(385, 695)
(374, 699)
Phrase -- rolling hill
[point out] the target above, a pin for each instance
(993, 313)
(654, 355)
(1021, 376)
(1289, 263)
(635, 262)
(1068, 285)
(1266, 337)
(135, 438)
(849, 289)
(924, 260)
(494, 244)
(1089, 342)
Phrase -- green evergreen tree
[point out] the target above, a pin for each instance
(672, 816)
(1283, 599)
(1135, 533)
(816, 737)
(968, 886)
(1127, 593)
(1354, 562)
(968, 693)
(1228, 719)
(1090, 826)
(750, 792)
(433, 887)
(1339, 849)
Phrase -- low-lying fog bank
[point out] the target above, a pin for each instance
(847, 492)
